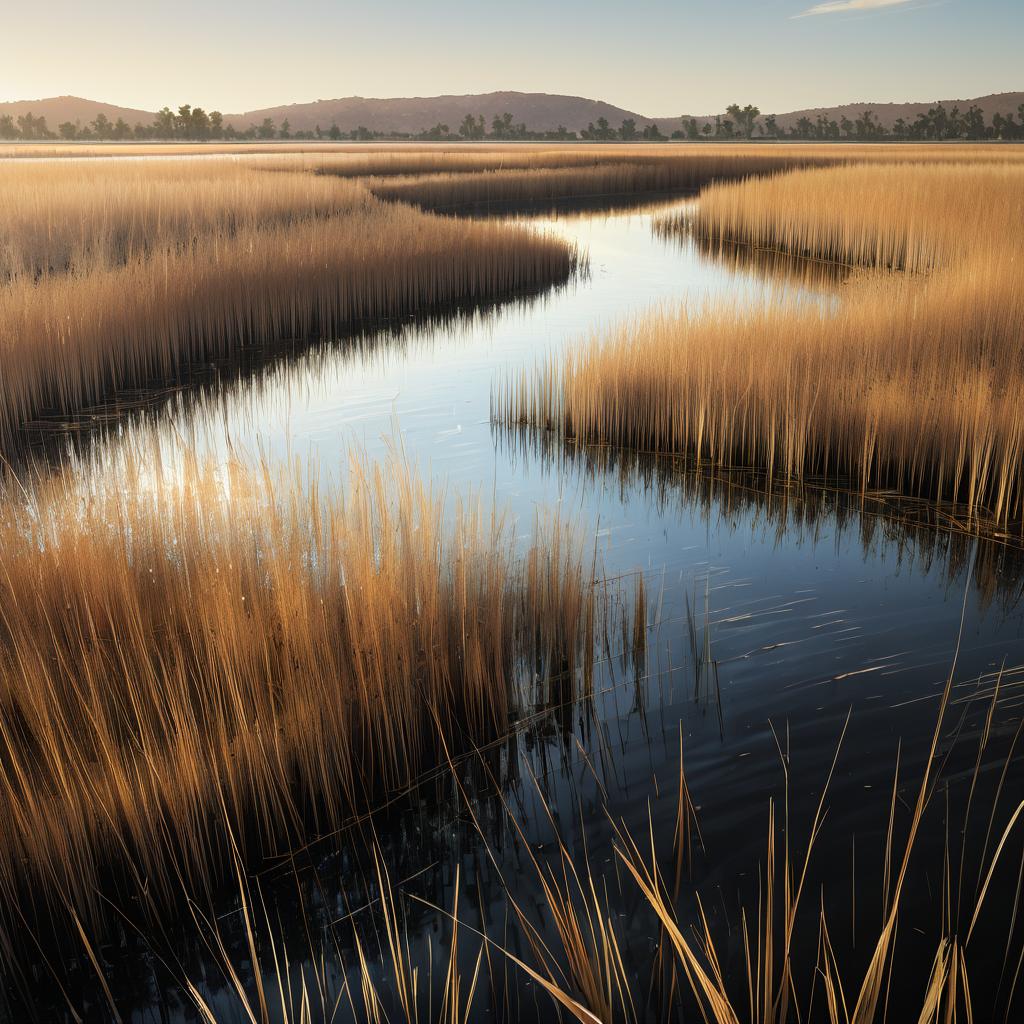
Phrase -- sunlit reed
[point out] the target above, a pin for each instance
(911, 380)
(134, 273)
(194, 645)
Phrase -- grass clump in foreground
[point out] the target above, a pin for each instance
(911, 381)
(138, 270)
(190, 655)
(642, 940)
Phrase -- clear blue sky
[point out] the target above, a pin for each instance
(657, 57)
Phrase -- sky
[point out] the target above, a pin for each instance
(655, 57)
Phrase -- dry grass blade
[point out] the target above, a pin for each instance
(193, 646)
(909, 382)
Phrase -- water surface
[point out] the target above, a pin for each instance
(816, 608)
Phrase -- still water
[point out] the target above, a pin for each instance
(774, 619)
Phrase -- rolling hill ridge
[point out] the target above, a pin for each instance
(539, 111)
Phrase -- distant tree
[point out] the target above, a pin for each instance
(30, 127)
(866, 126)
(266, 130)
(199, 125)
(286, 130)
(628, 130)
(102, 127)
(771, 126)
(501, 126)
(653, 133)
(707, 129)
(7, 129)
(439, 131)
(804, 128)
(122, 130)
(163, 124)
(745, 118)
(67, 130)
(974, 123)
(561, 132)
(216, 124)
(334, 132)
(472, 127)
(183, 121)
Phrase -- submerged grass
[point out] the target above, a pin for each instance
(910, 381)
(241, 647)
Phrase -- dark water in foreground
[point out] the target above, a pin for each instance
(774, 617)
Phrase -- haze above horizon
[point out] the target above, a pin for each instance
(655, 57)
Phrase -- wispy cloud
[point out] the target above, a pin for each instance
(838, 6)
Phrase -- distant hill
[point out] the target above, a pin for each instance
(545, 112)
(58, 109)
(888, 113)
(539, 111)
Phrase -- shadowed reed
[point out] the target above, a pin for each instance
(619, 944)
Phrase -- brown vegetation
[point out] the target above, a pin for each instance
(117, 276)
(612, 177)
(191, 650)
(780, 959)
(911, 381)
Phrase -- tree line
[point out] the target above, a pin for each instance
(194, 124)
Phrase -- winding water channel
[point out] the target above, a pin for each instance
(811, 606)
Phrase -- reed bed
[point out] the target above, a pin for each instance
(914, 218)
(62, 218)
(911, 382)
(125, 282)
(196, 661)
(496, 152)
(620, 944)
(611, 177)
(443, 181)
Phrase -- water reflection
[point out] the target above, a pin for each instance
(251, 378)
(771, 613)
(911, 533)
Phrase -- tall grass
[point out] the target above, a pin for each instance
(618, 944)
(134, 272)
(914, 217)
(442, 180)
(253, 649)
(912, 381)
(93, 216)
